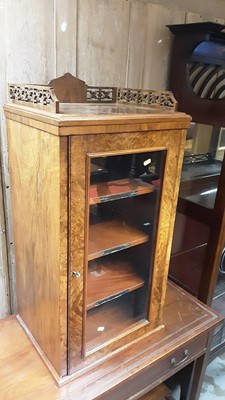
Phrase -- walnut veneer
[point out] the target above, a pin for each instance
(92, 256)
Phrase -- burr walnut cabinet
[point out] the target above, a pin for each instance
(94, 190)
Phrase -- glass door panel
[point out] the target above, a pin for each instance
(124, 196)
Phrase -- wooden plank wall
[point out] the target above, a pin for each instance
(104, 42)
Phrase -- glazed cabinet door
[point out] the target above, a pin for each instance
(122, 191)
(123, 199)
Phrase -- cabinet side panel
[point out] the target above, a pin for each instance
(63, 295)
(40, 261)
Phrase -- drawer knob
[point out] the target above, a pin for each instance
(174, 362)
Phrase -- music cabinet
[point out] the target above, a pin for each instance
(94, 187)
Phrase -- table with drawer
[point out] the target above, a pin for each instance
(128, 374)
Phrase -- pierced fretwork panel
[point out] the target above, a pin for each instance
(43, 97)
(101, 94)
(33, 95)
(148, 97)
(121, 95)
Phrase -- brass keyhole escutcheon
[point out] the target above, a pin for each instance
(76, 274)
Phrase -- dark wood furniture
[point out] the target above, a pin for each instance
(198, 82)
(128, 374)
(197, 71)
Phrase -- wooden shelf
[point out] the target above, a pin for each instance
(120, 189)
(110, 279)
(109, 320)
(161, 392)
(112, 236)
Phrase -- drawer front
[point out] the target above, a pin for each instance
(181, 357)
(159, 371)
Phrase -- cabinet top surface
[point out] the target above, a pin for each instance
(68, 101)
(92, 110)
(135, 118)
(84, 111)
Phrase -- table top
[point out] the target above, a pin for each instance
(24, 376)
